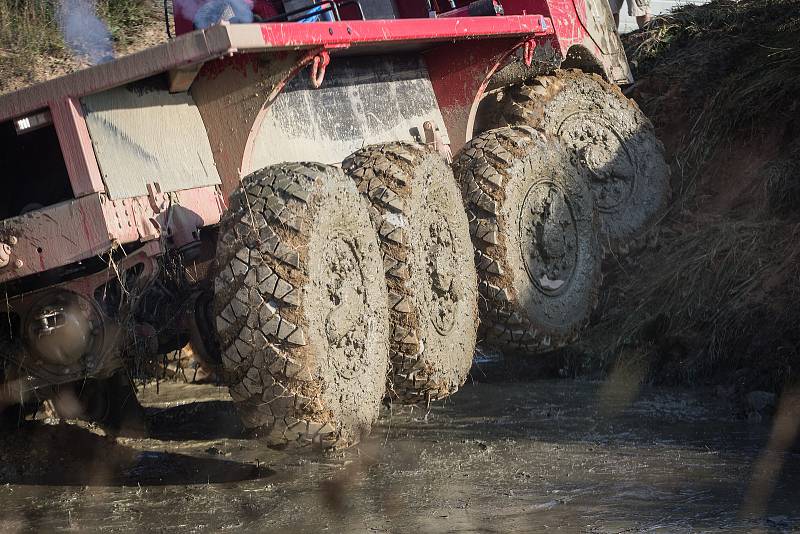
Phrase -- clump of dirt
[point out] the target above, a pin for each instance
(716, 298)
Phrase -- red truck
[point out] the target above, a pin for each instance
(325, 198)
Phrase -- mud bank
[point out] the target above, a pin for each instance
(503, 457)
(713, 298)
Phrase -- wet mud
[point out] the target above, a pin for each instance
(499, 457)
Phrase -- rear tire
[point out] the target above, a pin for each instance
(430, 274)
(617, 143)
(300, 307)
(533, 227)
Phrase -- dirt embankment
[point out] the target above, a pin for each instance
(716, 299)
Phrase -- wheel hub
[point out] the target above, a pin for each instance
(64, 335)
(548, 237)
(345, 329)
(440, 261)
(604, 152)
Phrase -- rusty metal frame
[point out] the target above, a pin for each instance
(76, 146)
(459, 74)
(93, 225)
(218, 64)
(106, 357)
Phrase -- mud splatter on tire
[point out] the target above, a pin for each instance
(300, 307)
(430, 274)
(534, 230)
(613, 139)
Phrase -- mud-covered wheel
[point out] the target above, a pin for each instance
(534, 230)
(430, 274)
(299, 302)
(613, 139)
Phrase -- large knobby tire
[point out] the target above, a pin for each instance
(613, 139)
(430, 274)
(534, 231)
(299, 301)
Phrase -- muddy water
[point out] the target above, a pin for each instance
(496, 458)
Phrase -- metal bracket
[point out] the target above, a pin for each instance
(318, 66)
(527, 51)
(181, 79)
(159, 201)
(434, 140)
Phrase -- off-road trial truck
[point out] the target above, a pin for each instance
(275, 186)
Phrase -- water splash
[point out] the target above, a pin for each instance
(213, 12)
(85, 34)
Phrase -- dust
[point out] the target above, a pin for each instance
(86, 35)
(54, 62)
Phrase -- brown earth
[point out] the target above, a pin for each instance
(715, 300)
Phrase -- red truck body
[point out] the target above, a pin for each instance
(110, 167)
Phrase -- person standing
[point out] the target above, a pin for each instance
(636, 8)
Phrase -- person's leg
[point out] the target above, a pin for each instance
(616, 6)
(641, 10)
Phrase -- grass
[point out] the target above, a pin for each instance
(720, 294)
(738, 61)
(30, 35)
(28, 29)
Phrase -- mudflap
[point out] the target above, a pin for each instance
(364, 100)
(261, 109)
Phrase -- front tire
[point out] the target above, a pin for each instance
(300, 307)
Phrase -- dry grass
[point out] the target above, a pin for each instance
(719, 294)
(32, 48)
(704, 298)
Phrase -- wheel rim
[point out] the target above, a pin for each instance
(605, 153)
(344, 305)
(442, 297)
(548, 238)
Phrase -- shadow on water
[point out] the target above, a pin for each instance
(69, 455)
(196, 420)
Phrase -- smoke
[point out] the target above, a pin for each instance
(84, 33)
(207, 13)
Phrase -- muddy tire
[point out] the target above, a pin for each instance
(430, 274)
(613, 139)
(299, 302)
(534, 230)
